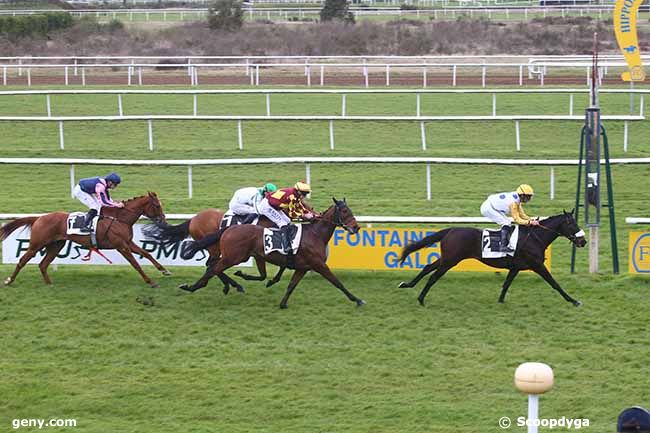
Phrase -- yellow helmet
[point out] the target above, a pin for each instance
(302, 187)
(525, 189)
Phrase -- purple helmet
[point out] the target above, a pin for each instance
(114, 177)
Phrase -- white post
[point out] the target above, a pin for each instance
(517, 137)
(641, 105)
(453, 76)
(417, 104)
(483, 73)
(552, 183)
(4, 75)
(195, 105)
(240, 138)
(521, 75)
(189, 181)
(365, 75)
(424, 76)
(257, 75)
(308, 73)
(625, 126)
(140, 76)
(128, 74)
(308, 174)
(331, 135)
(120, 109)
(268, 104)
(65, 75)
(571, 104)
(61, 143)
(343, 108)
(533, 412)
(252, 78)
(593, 250)
(387, 75)
(196, 76)
(150, 128)
(83, 76)
(29, 77)
(423, 136)
(429, 181)
(494, 104)
(49, 105)
(322, 75)
(72, 182)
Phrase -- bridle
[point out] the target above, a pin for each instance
(573, 238)
(132, 212)
(338, 221)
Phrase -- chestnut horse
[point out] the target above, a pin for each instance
(204, 227)
(240, 242)
(114, 231)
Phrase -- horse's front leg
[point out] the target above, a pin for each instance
(325, 271)
(126, 253)
(426, 270)
(544, 273)
(135, 248)
(277, 277)
(506, 284)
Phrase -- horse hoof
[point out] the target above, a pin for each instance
(283, 306)
(577, 304)
(241, 290)
(154, 285)
(269, 283)
(166, 272)
(403, 285)
(421, 301)
(361, 303)
(226, 290)
(185, 287)
(239, 274)
(8, 281)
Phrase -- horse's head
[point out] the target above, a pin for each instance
(343, 216)
(153, 208)
(569, 228)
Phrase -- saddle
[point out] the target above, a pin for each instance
(76, 225)
(230, 219)
(273, 240)
(491, 243)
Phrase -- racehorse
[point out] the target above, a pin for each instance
(457, 244)
(240, 242)
(114, 231)
(203, 227)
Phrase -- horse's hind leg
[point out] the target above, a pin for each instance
(261, 267)
(442, 270)
(202, 282)
(506, 284)
(276, 278)
(52, 250)
(426, 270)
(31, 252)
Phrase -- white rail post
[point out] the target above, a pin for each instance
(140, 76)
(343, 105)
(128, 74)
(49, 105)
(120, 110)
(76, 72)
(387, 75)
(552, 183)
(240, 136)
(189, 181)
(72, 182)
(308, 73)
(453, 76)
(61, 142)
(641, 105)
(4, 75)
(83, 76)
(428, 181)
(625, 131)
(483, 73)
(150, 130)
(417, 104)
(20, 69)
(196, 76)
(195, 105)
(65, 75)
(423, 136)
(424, 76)
(322, 75)
(521, 75)
(494, 105)
(29, 77)
(257, 75)
(571, 104)
(308, 174)
(252, 75)
(365, 75)
(268, 104)
(517, 136)
(331, 135)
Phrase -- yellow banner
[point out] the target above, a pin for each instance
(379, 249)
(639, 248)
(625, 15)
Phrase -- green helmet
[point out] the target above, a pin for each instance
(269, 187)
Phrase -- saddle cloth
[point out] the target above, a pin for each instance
(77, 221)
(230, 219)
(273, 240)
(491, 243)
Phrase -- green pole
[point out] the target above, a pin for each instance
(577, 208)
(610, 203)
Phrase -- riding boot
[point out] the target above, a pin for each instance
(287, 232)
(505, 239)
(88, 223)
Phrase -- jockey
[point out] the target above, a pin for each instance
(497, 206)
(246, 200)
(284, 205)
(93, 192)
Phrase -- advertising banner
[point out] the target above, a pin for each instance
(639, 248)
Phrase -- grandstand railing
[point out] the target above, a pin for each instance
(315, 160)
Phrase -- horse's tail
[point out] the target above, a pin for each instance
(424, 242)
(191, 248)
(9, 228)
(168, 234)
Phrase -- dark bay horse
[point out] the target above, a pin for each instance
(238, 243)
(114, 231)
(203, 227)
(457, 244)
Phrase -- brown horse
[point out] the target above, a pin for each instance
(238, 243)
(114, 231)
(203, 227)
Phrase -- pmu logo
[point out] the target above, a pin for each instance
(640, 253)
(625, 15)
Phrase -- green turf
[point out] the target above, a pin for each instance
(87, 349)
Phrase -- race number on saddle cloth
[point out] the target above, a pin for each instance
(231, 219)
(77, 224)
(273, 240)
(491, 247)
